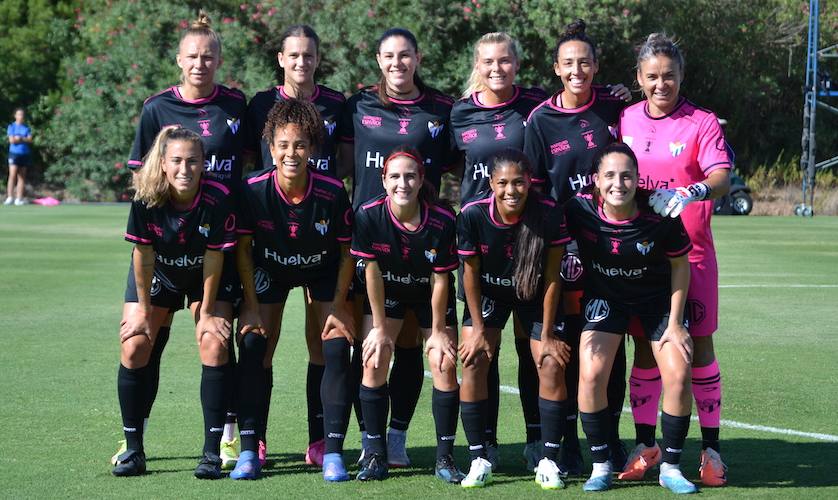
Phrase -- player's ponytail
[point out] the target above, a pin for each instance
(382, 81)
(150, 182)
(529, 239)
(202, 26)
(575, 31)
(475, 81)
(660, 44)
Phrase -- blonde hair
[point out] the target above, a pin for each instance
(202, 26)
(150, 182)
(475, 81)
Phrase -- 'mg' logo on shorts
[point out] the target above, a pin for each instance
(261, 280)
(597, 310)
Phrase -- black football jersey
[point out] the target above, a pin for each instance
(422, 123)
(481, 131)
(481, 233)
(329, 104)
(626, 261)
(220, 120)
(180, 238)
(295, 243)
(406, 258)
(561, 143)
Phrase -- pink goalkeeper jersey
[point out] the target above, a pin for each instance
(676, 150)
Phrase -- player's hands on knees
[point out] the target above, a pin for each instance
(374, 346)
(339, 321)
(442, 343)
(474, 346)
(680, 338)
(250, 321)
(138, 322)
(216, 326)
(554, 348)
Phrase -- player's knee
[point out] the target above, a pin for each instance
(213, 351)
(136, 352)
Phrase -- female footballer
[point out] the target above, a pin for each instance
(511, 243)
(295, 231)
(399, 110)
(180, 225)
(407, 242)
(638, 274)
(299, 57)
(683, 157)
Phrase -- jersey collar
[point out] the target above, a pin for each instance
(202, 100)
(312, 98)
(681, 101)
(423, 217)
(309, 181)
(554, 99)
(515, 94)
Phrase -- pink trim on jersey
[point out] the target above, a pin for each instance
(135, 163)
(137, 239)
(442, 211)
(344, 239)
(680, 252)
(232, 93)
(311, 98)
(372, 204)
(557, 96)
(169, 89)
(475, 202)
(422, 220)
(466, 252)
(561, 241)
(536, 180)
(217, 185)
(492, 215)
(358, 253)
(419, 98)
(309, 181)
(201, 100)
(347, 139)
(446, 268)
(254, 180)
(324, 178)
(330, 94)
(243, 231)
(475, 97)
(229, 244)
(547, 201)
(609, 220)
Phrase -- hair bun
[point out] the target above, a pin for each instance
(202, 22)
(577, 27)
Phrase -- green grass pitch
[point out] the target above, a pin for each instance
(62, 273)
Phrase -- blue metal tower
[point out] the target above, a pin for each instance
(818, 84)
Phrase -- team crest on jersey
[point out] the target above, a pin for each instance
(612, 131)
(403, 123)
(499, 131)
(330, 126)
(233, 123)
(589, 139)
(676, 148)
(431, 255)
(627, 140)
(261, 279)
(597, 310)
(435, 127)
(571, 267)
(371, 121)
(204, 230)
(645, 247)
(293, 229)
(615, 246)
(322, 226)
(469, 135)
(205, 127)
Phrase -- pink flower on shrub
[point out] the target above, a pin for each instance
(227, 20)
(118, 165)
(183, 24)
(90, 60)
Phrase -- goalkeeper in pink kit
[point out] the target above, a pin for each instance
(683, 157)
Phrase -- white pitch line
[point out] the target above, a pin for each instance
(508, 389)
(777, 286)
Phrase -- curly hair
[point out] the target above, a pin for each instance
(296, 111)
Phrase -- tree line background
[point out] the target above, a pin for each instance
(83, 68)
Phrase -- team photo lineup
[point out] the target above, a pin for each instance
(583, 222)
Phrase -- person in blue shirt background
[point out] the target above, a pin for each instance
(20, 154)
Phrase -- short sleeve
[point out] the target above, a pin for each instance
(534, 150)
(467, 237)
(140, 227)
(222, 230)
(9, 131)
(147, 131)
(346, 124)
(557, 227)
(677, 241)
(361, 243)
(571, 213)
(345, 217)
(712, 148)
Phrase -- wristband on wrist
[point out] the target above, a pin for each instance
(700, 191)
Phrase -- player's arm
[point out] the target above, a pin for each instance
(340, 317)
(249, 319)
(377, 340)
(550, 345)
(345, 160)
(208, 323)
(138, 321)
(675, 331)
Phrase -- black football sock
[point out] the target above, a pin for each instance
(573, 332)
(710, 438)
(407, 377)
(597, 428)
(674, 431)
(131, 389)
(528, 389)
(314, 377)
(493, 402)
(616, 392)
(154, 367)
(268, 374)
(445, 406)
(334, 392)
(213, 403)
(356, 371)
(251, 389)
(375, 401)
(473, 415)
(553, 419)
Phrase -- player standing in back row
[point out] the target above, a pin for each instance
(682, 155)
